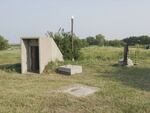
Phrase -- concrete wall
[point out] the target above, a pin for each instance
(56, 54)
(24, 56)
(48, 52)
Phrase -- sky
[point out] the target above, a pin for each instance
(116, 19)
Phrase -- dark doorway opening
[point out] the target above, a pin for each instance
(35, 59)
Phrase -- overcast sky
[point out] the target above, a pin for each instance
(116, 19)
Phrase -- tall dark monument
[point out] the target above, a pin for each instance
(126, 50)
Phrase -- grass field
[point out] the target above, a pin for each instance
(121, 89)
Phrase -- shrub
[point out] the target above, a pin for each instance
(3, 43)
(64, 43)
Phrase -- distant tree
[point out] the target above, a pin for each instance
(100, 39)
(114, 43)
(3, 43)
(142, 40)
(97, 40)
(91, 40)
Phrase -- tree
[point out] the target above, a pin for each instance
(97, 40)
(100, 39)
(114, 43)
(137, 40)
(91, 40)
(63, 41)
(3, 43)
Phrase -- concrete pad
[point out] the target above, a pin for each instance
(79, 90)
(70, 69)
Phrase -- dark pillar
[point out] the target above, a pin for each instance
(125, 60)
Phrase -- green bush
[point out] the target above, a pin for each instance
(3, 43)
(64, 43)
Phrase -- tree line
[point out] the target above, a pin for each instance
(100, 40)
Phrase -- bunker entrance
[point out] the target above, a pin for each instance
(34, 59)
(32, 55)
(36, 52)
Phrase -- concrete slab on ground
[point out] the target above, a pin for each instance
(79, 90)
(70, 69)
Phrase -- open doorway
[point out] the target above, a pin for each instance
(31, 55)
(34, 59)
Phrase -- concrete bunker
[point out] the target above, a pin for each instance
(36, 52)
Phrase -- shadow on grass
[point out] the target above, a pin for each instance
(136, 77)
(11, 67)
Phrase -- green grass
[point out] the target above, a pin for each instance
(121, 89)
(12, 55)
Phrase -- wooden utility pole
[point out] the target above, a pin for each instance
(72, 23)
